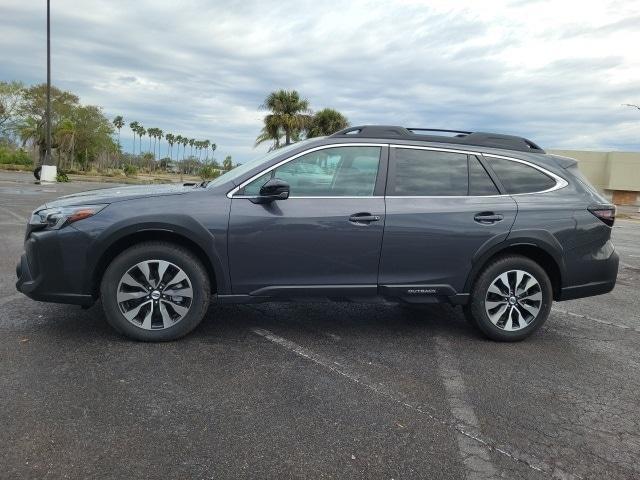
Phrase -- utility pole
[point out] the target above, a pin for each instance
(47, 158)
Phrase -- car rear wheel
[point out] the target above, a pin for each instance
(155, 291)
(511, 299)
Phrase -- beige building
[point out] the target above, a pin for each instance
(616, 174)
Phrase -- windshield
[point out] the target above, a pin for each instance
(251, 164)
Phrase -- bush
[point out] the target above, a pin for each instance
(19, 156)
(208, 172)
(130, 170)
(62, 176)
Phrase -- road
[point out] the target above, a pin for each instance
(316, 391)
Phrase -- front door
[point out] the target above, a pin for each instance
(442, 208)
(325, 238)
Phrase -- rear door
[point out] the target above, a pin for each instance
(325, 239)
(442, 208)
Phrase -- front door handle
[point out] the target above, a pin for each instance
(488, 217)
(363, 218)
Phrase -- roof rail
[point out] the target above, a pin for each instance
(481, 139)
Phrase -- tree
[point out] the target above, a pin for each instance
(11, 94)
(289, 116)
(93, 134)
(192, 142)
(64, 137)
(170, 138)
(185, 142)
(134, 127)
(326, 122)
(271, 131)
(141, 133)
(118, 122)
(151, 134)
(205, 145)
(227, 163)
(31, 111)
(159, 136)
(179, 142)
(213, 149)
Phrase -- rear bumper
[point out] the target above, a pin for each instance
(600, 276)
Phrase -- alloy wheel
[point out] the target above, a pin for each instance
(154, 294)
(513, 300)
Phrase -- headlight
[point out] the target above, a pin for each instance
(57, 217)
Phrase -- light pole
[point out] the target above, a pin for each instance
(47, 158)
(48, 171)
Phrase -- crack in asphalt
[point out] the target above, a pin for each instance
(461, 428)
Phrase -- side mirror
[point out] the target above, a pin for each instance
(274, 189)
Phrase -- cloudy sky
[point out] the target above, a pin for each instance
(554, 71)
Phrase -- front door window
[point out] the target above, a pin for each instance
(329, 172)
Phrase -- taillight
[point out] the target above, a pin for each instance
(606, 213)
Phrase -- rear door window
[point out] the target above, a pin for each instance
(520, 178)
(416, 172)
(480, 182)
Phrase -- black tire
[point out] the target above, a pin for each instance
(476, 312)
(176, 255)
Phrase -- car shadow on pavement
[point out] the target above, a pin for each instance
(235, 323)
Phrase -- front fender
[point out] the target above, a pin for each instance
(114, 238)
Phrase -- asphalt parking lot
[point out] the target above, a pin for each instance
(316, 391)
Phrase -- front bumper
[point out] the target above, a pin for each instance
(48, 273)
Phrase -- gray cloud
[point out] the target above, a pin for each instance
(202, 69)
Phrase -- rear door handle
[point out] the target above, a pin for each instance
(487, 217)
(363, 218)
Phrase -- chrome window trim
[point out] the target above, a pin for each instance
(449, 196)
(298, 197)
(560, 182)
(304, 152)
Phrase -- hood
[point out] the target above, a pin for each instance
(118, 194)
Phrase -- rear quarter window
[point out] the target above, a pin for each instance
(518, 177)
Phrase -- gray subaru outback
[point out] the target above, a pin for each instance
(370, 214)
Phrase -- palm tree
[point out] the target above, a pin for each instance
(192, 142)
(179, 142)
(151, 133)
(185, 142)
(141, 133)
(271, 131)
(170, 138)
(289, 114)
(30, 130)
(205, 145)
(326, 122)
(159, 135)
(119, 123)
(134, 126)
(213, 149)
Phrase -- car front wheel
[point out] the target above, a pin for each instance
(155, 291)
(511, 299)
